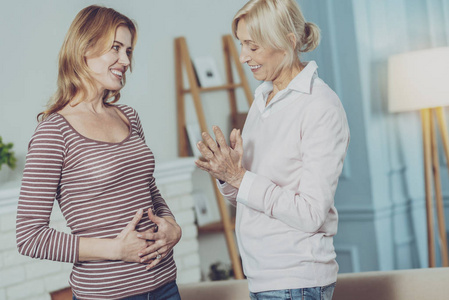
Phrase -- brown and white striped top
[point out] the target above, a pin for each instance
(99, 187)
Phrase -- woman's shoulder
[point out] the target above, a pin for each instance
(323, 96)
(54, 122)
(50, 131)
(131, 114)
(127, 110)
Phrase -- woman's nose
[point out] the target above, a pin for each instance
(124, 59)
(244, 57)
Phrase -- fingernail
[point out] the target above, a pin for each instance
(139, 235)
(140, 211)
(142, 260)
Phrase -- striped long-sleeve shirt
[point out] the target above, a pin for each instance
(99, 187)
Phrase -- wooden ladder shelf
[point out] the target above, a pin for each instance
(183, 62)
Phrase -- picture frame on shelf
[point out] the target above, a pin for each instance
(207, 71)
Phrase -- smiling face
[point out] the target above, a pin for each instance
(108, 69)
(263, 62)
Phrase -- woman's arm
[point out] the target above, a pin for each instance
(324, 142)
(161, 208)
(40, 183)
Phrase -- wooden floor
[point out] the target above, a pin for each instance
(64, 294)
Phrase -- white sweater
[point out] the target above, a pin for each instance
(293, 153)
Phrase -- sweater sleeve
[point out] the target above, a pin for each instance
(325, 138)
(160, 206)
(40, 183)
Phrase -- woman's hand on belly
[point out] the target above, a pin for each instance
(124, 247)
(128, 242)
(167, 236)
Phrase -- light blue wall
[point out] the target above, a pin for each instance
(381, 193)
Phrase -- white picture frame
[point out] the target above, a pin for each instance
(203, 209)
(207, 71)
(194, 135)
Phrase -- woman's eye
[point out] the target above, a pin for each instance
(129, 52)
(116, 47)
(253, 49)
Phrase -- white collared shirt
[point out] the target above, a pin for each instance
(294, 149)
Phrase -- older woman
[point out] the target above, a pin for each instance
(90, 155)
(282, 172)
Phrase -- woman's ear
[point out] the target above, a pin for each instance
(292, 38)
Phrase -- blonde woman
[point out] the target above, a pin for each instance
(282, 172)
(90, 155)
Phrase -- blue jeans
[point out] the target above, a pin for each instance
(314, 293)
(165, 292)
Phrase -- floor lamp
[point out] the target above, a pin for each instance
(420, 81)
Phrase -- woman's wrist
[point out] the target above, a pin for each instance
(99, 249)
(173, 222)
(236, 180)
(116, 249)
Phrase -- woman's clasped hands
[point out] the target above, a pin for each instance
(220, 160)
(150, 246)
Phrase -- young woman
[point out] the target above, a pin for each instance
(90, 155)
(283, 171)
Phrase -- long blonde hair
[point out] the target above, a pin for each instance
(271, 22)
(93, 30)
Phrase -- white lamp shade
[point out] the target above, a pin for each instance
(418, 80)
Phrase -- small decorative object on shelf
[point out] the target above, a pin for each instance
(207, 71)
(219, 271)
(7, 155)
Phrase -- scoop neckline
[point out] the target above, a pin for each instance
(98, 141)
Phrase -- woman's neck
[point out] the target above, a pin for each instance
(287, 75)
(284, 78)
(93, 103)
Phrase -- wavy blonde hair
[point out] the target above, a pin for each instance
(91, 32)
(270, 24)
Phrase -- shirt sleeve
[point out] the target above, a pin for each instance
(324, 142)
(39, 187)
(160, 206)
(228, 191)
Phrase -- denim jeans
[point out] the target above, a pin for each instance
(165, 292)
(314, 293)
